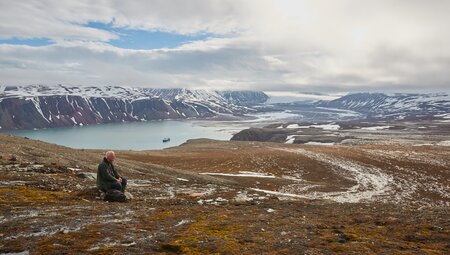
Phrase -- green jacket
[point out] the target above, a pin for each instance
(106, 175)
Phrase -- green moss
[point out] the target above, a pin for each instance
(80, 242)
(425, 231)
(220, 235)
(338, 247)
(14, 195)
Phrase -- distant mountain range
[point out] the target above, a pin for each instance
(394, 106)
(41, 106)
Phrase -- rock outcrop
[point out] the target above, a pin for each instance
(260, 135)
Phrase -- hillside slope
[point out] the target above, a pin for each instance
(210, 197)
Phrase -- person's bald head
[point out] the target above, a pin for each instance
(110, 156)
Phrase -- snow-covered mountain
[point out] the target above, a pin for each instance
(214, 99)
(244, 97)
(394, 106)
(41, 106)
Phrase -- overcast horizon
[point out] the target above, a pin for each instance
(268, 45)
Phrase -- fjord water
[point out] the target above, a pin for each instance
(149, 135)
(131, 135)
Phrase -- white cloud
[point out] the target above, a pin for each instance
(270, 44)
(57, 20)
(63, 20)
(180, 16)
(97, 63)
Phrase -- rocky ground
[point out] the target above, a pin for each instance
(213, 197)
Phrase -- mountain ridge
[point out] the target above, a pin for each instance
(41, 106)
(393, 106)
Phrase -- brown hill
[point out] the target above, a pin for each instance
(209, 196)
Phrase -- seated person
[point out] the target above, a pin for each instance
(107, 176)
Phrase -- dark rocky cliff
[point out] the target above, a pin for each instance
(261, 135)
(47, 107)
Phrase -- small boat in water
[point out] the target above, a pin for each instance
(165, 140)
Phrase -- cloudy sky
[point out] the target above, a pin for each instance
(285, 45)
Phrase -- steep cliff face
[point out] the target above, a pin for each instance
(41, 106)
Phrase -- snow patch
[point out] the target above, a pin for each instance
(292, 126)
(444, 115)
(327, 126)
(242, 197)
(370, 181)
(276, 193)
(318, 143)
(290, 139)
(322, 126)
(376, 128)
(182, 222)
(243, 174)
(443, 143)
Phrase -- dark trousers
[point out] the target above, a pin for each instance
(120, 186)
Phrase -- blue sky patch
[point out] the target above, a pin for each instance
(144, 40)
(128, 38)
(29, 42)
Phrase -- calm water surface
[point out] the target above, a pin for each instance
(131, 135)
(149, 135)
